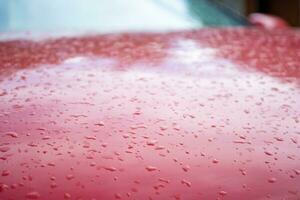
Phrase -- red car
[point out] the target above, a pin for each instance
(181, 112)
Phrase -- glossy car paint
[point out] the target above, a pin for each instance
(206, 114)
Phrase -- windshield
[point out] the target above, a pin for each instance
(112, 15)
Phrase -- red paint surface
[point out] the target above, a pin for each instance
(208, 114)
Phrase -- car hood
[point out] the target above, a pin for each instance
(201, 114)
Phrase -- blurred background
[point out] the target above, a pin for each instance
(136, 15)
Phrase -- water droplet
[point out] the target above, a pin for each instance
(118, 196)
(67, 196)
(112, 169)
(104, 145)
(4, 149)
(100, 123)
(272, 180)
(151, 168)
(278, 139)
(51, 164)
(32, 195)
(187, 183)
(243, 172)
(186, 168)
(12, 134)
(215, 161)
(5, 173)
(13, 186)
(3, 187)
(151, 142)
(268, 153)
(163, 180)
(294, 140)
(53, 185)
(31, 144)
(70, 176)
(159, 148)
(125, 136)
(90, 137)
(46, 138)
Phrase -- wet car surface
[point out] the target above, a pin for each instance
(206, 114)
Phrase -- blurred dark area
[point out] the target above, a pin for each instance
(288, 10)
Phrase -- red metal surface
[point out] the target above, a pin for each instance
(208, 114)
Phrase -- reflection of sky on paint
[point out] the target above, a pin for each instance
(98, 15)
(56, 16)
